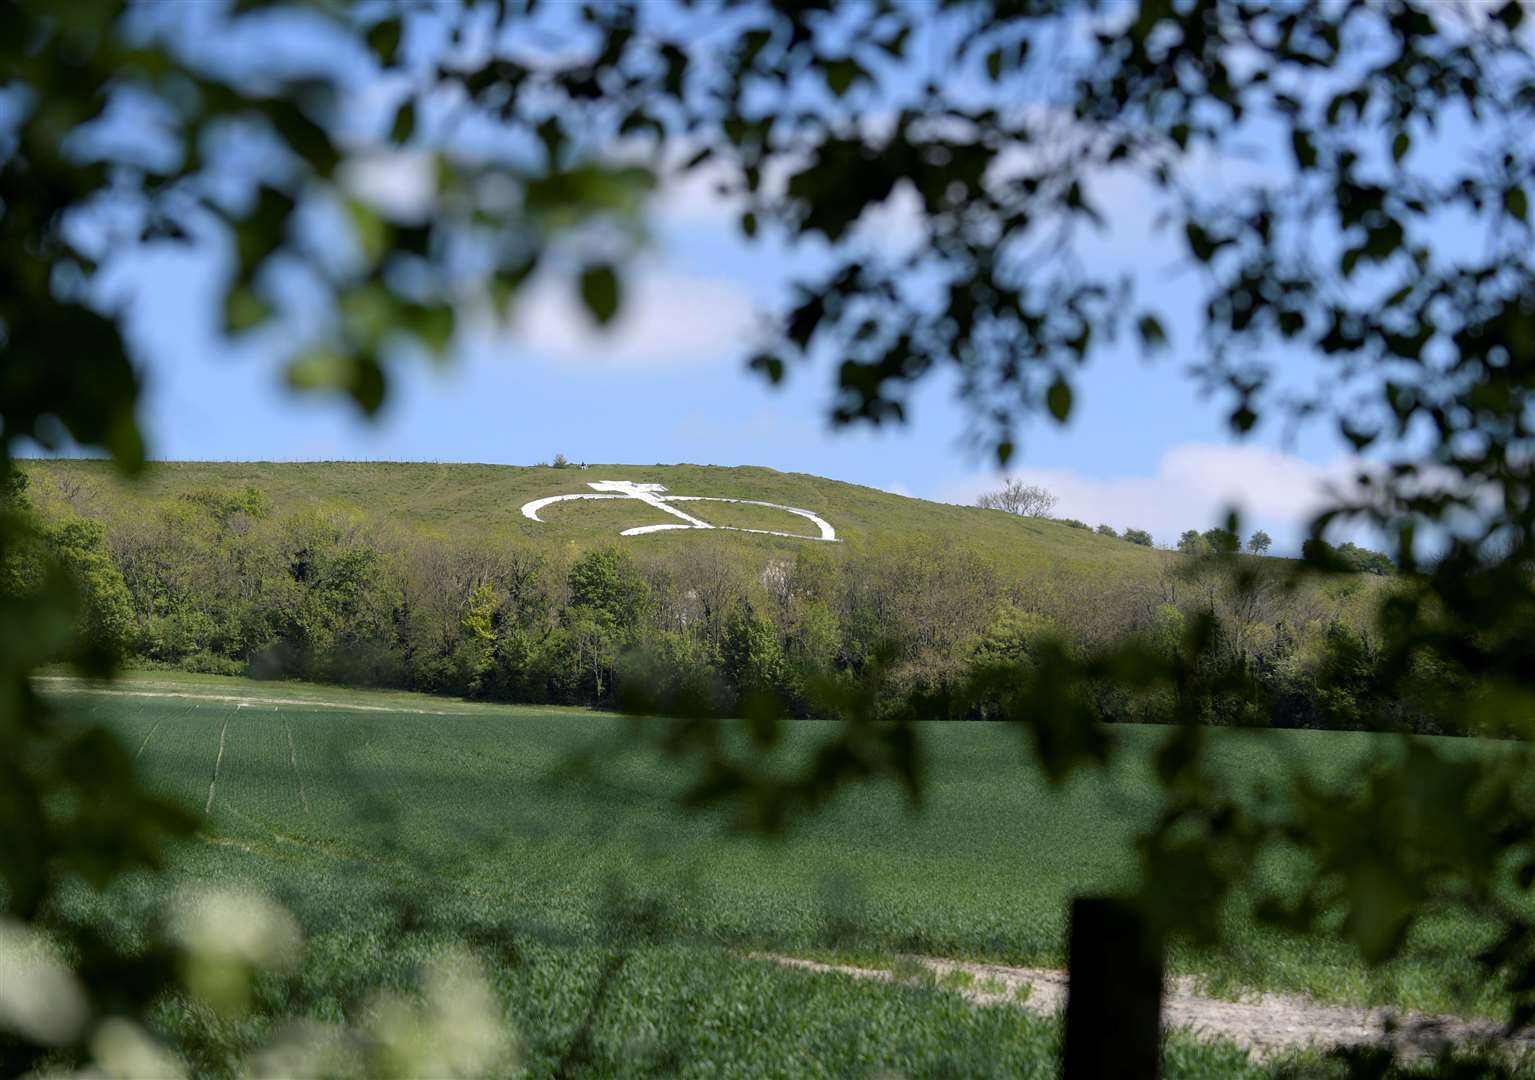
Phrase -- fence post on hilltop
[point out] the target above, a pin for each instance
(1114, 993)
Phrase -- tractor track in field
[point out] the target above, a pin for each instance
(184, 712)
(293, 761)
(1266, 1024)
(218, 761)
(151, 735)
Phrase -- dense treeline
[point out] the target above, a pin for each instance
(224, 582)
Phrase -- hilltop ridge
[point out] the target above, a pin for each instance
(472, 499)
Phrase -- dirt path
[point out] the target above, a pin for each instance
(1266, 1024)
(63, 684)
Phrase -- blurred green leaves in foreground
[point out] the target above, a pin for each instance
(1401, 119)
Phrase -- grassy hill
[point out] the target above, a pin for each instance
(430, 577)
(454, 499)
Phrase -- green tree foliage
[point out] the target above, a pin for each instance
(752, 656)
(1137, 536)
(1015, 636)
(1365, 560)
(1107, 530)
(1347, 557)
(15, 517)
(608, 583)
(225, 507)
(1075, 523)
(13, 492)
(80, 546)
(1259, 542)
(1192, 543)
(479, 635)
(609, 605)
(341, 599)
(1222, 541)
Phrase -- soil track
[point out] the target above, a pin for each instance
(1265, 1024)
(63, 684)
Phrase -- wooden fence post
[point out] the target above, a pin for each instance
(1114, 993)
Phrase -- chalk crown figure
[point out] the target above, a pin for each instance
(655, 495)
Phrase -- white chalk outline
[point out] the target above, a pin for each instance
(651, 495)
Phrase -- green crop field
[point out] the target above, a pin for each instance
(617, 929)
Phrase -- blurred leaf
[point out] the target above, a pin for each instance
(306, 138)
(1517, 204)
(1058, 400)
(432, 324)
(841, 73)
(371, 232)
(768, 365)
(1200, 242)
(404, 123)
(262, 230)
(1152, 335)
(1303, 148)
(599, 292)
(326, 369)
(244, 309)
(319, 369)
(384, 40)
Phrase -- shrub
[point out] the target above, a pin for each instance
(1222, 541)
(1191, 543)
(211, 664)
(1014, 636)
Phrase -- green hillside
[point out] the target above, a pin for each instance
(453, 499)
(430, 577)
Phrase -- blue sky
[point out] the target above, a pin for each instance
(668, 382)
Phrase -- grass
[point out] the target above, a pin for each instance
(615, 926)
(487, 500)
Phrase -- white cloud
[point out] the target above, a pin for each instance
(666, 320)
(1192, 486)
